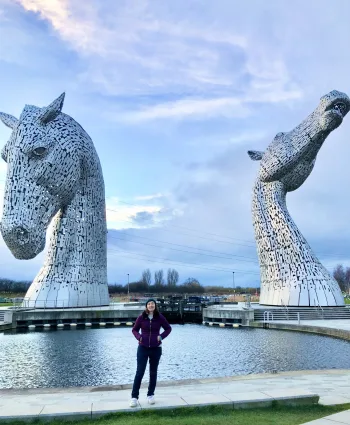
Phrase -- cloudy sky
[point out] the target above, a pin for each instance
(173, 94)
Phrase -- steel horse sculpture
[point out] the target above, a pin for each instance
(291, 275)
(54, 173)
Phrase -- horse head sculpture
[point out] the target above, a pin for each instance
(53, 170)
(290, 272)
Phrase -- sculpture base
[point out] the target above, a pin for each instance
(67, 296)
(309, 291)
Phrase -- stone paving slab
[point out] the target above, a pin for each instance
(249, 400)
(249, 396)
(332, 400)
(289, 393)
(336, 419)
(164, 402)
(207, 399)
(100, 408)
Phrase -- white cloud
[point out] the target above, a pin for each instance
(60, 14)
(120, 215)
(247, 136)
(141, 212)
(189, 108)
(149, 197)
(228, 107)
(148, 47)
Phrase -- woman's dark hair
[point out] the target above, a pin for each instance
(155, 312)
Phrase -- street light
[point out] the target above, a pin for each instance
(233, 282)
(128, 288)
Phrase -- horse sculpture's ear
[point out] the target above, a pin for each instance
(4, 153)
(9, 120)
(255, 155)
(52, 111)
(279, 135)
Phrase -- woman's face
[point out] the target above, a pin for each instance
(151, 306)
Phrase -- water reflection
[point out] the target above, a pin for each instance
(108, 356)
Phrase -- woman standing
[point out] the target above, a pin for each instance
(150, 340)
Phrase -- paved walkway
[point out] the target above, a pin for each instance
(342, 324)
(336, 419)
(333, 387)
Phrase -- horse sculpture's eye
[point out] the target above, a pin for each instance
(340, 107)
(40, 151)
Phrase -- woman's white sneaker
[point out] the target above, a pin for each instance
(133, 402)
(151, 399)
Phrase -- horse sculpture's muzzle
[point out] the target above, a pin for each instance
(24, 244)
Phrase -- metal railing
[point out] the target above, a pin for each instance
(319, 308)
(286, 309)
(267, 316)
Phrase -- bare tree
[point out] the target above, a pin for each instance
(192, 285)
(159, 278)
(146, 277)
(173, 277)
(342, 275)
(347, 279)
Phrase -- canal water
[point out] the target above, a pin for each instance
(90, 357)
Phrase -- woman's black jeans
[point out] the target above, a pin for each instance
(143, 354)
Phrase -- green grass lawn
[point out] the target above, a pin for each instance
(215, 415)
(347, 300)
(6, 304)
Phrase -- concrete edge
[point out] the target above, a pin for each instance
(228, 404)
(65, 416)
(252, 404)
(318, 330)
(24, 418)
(297, 400)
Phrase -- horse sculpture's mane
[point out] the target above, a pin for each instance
(54, 173)
(291, 274)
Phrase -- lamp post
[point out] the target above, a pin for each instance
(128, 288)
(233, 282)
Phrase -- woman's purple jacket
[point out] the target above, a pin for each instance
(150, 329)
